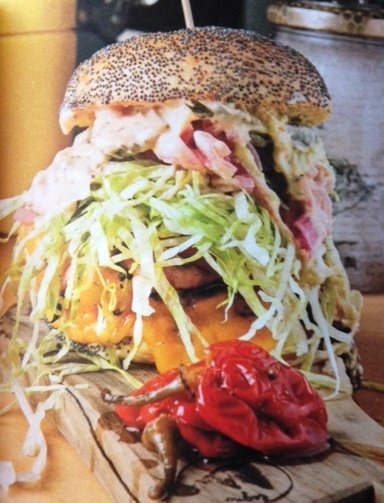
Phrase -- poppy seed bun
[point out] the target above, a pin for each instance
(230, 66)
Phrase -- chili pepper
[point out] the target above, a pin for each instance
(239, 395)
(158, 436)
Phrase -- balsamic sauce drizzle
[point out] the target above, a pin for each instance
(240, 468)
(245, 471)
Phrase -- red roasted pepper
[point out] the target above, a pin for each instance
(239, 394)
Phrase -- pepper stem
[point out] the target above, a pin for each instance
(170, 389)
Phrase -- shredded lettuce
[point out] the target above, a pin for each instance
(35, 444)
(140, 216)
(10, 205)
(146, 215)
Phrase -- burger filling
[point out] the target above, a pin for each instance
(180, 225)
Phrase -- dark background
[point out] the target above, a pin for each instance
(100, 22)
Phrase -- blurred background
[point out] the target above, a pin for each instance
(103, 21)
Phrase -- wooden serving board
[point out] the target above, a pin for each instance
(352, 470)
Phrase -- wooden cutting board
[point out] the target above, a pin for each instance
(352, 470)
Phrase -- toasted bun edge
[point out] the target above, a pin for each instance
(225, 65)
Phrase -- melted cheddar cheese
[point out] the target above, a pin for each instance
(161, 334)
(102, 318)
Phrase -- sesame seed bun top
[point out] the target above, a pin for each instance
(225, 65)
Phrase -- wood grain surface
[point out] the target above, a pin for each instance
(350, 467)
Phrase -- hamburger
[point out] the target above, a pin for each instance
(194, 206)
